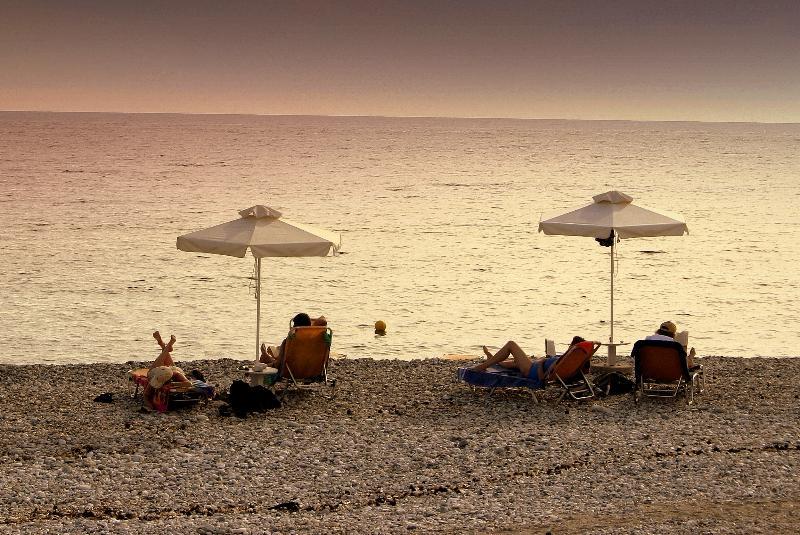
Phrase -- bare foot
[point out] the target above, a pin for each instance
(487, 352)
(690, 357)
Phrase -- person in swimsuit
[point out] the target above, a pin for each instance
(532, 368)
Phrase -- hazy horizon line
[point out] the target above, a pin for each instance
(487, 118)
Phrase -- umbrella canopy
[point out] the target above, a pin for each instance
(262, 230)
(613, 216)
(614, 211)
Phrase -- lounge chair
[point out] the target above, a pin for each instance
(661, 370)
(567, 374)
(304, 358)
(568, 371)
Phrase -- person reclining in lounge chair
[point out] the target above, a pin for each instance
(272, 355)
(534, 369)
(666, 331)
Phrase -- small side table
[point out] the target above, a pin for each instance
(612, 351)
(265, 377)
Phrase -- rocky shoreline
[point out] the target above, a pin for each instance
(401, 448)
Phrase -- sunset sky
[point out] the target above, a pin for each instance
(644, 60)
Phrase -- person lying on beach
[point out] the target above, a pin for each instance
(162, 370)
(666, 331)
(272, 355)
(532, 368)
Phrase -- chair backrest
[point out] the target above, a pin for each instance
(659, 360)
(306, 352)
(549, 347)
(572, 361)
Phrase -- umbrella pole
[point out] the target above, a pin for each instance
(612, 354)
(611, 339)
(258, 306)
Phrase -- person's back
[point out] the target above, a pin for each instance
(666, 332)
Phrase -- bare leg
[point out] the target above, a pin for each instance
(511, 349)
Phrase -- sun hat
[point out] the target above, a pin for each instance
(668, 328)
(159, 376)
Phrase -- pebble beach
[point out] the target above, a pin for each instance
(401, 447)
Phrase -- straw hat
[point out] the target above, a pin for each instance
(159, 376)
(668, 328)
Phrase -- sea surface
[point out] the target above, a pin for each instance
(438, 219)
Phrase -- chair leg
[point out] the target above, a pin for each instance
(332, 392)
(588, 384)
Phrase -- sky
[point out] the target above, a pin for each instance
(704, 60)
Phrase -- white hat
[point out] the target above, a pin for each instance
(159, 376)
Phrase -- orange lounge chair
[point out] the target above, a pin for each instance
(568, 370)
(661, 370)
(304, 357)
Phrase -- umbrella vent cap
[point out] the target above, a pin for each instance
(259, 211)
(614, 197)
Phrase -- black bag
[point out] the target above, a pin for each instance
(244, 398)
(613, 383)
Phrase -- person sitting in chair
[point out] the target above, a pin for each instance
(272, 355)
(666, 331)
(534, 369)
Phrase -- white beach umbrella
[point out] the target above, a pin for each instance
(262, 230)
(613, 216)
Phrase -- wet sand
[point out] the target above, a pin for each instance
(402, 447)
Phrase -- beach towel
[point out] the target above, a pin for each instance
(497, 377)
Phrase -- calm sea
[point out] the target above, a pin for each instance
(438, 219)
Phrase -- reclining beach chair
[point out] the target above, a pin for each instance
(304, 358)
(567, 374)
(568, 370)
(661, 370)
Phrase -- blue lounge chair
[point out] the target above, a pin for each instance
(567, 373)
